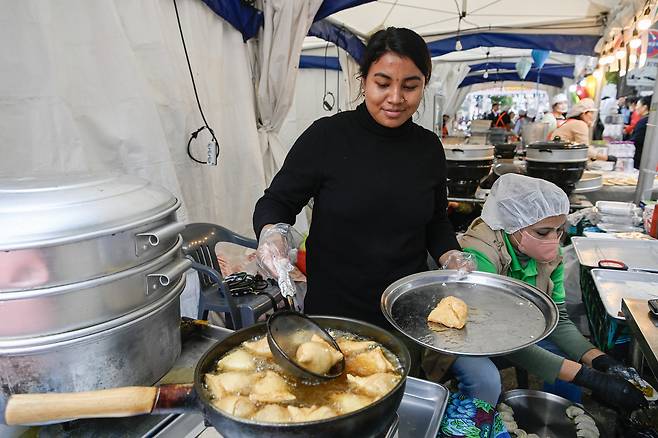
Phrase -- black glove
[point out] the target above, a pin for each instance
(604, 362)
(611, 389)
(611, 366)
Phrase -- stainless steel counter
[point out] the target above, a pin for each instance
(644, 329)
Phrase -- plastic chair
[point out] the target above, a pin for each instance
(199, 244)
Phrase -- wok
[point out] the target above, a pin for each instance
(370, 421)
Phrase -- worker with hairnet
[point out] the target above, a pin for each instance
(518, 235)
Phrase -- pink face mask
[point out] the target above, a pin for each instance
(542, 250)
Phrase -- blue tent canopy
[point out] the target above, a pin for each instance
(247, 19)
(546, 79)
(342, 37)
(327, 63)
(329, 7)
(564, 70)
(570, 44)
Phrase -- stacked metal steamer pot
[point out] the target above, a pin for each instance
(91, 274)
(562, 163)
(466, 165)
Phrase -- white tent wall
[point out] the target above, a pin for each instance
(281, 38)
(103, 86)
(307, 103)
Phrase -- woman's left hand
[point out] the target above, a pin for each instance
(457, 260)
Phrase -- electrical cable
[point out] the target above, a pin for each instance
(194, 135)
(328, 99)
(240, 284)
(338, 81)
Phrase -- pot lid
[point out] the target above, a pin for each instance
(556, 143)
(37, 212)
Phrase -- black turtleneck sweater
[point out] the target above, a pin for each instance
(379, 206)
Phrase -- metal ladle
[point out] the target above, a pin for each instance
(286, 331)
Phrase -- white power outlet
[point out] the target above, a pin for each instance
(212, 153)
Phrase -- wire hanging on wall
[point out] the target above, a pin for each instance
(212, 158)
(328, 99)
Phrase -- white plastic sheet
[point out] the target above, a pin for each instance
(281, 38)
(103, 86)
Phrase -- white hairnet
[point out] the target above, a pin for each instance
(518, 201)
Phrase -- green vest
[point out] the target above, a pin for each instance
(498, 251)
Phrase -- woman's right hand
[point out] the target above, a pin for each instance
(611, 389)
(273, 256)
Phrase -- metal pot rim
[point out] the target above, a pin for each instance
(480, 158)
(64, 208)
(64, 288)
(92, 234)
(59, 340)
(557, 161)
(206, 402)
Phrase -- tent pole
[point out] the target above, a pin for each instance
(597, 104)
(649, 158)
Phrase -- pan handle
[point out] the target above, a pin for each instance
(617, 265)
(52, 407)
(29, 409)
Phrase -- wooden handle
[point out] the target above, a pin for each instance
(43, 408)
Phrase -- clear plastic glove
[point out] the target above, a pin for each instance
(459, 261)
(273, 256)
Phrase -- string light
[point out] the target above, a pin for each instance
(620, 53)
(645, 22)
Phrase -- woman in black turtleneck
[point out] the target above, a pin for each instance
(378, 182)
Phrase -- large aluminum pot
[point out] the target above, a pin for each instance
(556, 152)
(60, 309)
(65, 229)
(136, 349)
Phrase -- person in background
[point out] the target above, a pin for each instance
(633, 116)
(445, 130)
(576, 128)
(639, 132)
(503, 120)
(521, 122)
(555, 118)
(518, 236)
(623, 108)
(495, 111)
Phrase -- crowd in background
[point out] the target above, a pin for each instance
(574, 124)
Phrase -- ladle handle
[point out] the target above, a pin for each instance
(50, 407)
(118, 402)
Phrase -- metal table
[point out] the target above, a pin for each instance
(644, 329)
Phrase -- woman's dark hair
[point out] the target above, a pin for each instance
(644, 100)
(631, 100)
(399, 40)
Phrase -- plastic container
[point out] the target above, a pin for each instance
(614, 207)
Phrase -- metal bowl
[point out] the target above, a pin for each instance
(541, 413)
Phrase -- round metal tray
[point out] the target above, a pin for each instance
(541, 413)
(505, 315)
(589, 182)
